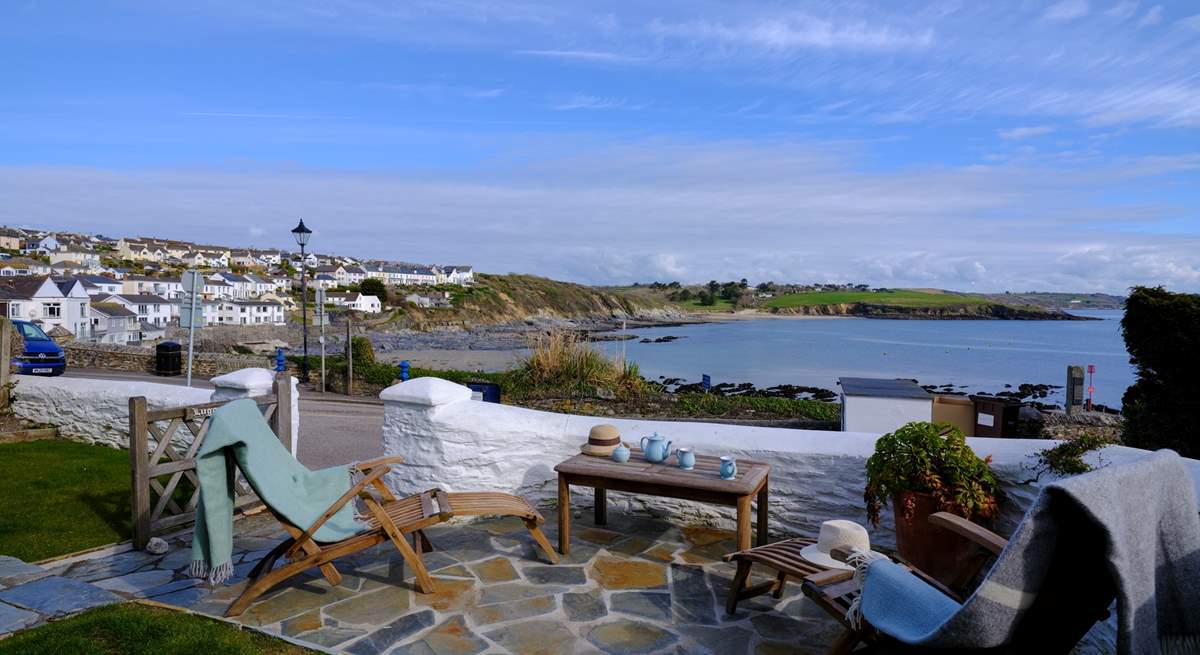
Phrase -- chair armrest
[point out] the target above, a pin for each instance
(379, 461)
(964, 528)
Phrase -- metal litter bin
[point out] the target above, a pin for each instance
(168, 359)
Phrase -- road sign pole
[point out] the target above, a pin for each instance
(192, 325)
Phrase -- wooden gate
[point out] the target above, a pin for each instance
(161, 505)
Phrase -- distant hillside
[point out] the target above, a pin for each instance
(506, 298)
(1062, 301)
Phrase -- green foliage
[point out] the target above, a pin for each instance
(133, 629)
(890, 297)
(1163, 339)
(374, 287)
(362, 351)
(61, 497)
(563, 362)
(713, 405)
(1066, 458)
(935, 459)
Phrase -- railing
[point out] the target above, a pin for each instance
(159, 448)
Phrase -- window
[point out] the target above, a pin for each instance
(142, 309)
(52, 309)
(14, 310)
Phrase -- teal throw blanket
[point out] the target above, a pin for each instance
(239, 435)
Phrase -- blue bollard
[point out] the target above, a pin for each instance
(280, 363)
(404, 371)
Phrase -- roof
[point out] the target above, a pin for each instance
(352, 296)
(883, 388)
(111, 309)
(324, 276)
(20, 288)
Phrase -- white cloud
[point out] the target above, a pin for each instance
(584, 101)
(1016, 133)
(256, 231)
(1122, 10)
(1153, 17)
(798, 32)
(1066, 10)
(582, 55)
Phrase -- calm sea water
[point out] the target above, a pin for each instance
(981, 355)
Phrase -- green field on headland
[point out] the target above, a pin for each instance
(886, 297)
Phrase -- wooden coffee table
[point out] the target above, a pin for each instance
(702, 483)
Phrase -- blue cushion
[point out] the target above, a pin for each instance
(901, 605)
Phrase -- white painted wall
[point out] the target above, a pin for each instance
(881, 415)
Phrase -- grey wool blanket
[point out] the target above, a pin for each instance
(1137, 524)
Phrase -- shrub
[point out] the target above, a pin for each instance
(562, 361)
(374, 287)
(362, 351)
(1163, 341)
(931, 458)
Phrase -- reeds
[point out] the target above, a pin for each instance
(563, 361)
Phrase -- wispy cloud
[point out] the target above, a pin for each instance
(1122, 10)
(436, 89)
(1066, 10)
(799, 32)
(584, 101)
(250, 115)
(1153, 16)
(583, 55)
(1017, 133)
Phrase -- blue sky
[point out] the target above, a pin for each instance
(989, 146)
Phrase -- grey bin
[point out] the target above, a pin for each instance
(168, 358)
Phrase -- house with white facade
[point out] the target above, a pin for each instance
(10, 239)
(356, 301)
(324, 281)
(242, 287)
(47, 302)
(460, 275)
(168, 288)
(209, 309)
(282, 282)
(86, 257)
(250, 312)
(260, 284)
(412, 275)
(355, 274)
(217, 289)
(96, 284)
(113, 323)
(151, 309)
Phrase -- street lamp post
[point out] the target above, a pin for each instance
(302, 234)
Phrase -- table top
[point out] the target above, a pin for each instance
(705, 475)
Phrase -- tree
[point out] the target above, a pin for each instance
(744, 283)
(374, 287)
(1164, 347)
(714, 286)
(706, 297)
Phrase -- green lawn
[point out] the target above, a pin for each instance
(896, 298)
(60, 497)
(133, 629)
(721, 305)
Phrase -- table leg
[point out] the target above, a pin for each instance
(743, 521)
(564, 515)
(601, 510)
(763, 512)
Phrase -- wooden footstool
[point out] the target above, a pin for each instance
(783, 556)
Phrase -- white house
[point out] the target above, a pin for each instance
(113, 323)
(282, 282)
(355, 274)
(259, 285)
(250, 312)
(168, 288)
(86, 257)
(412, 275)
(882, 405)
(44, 245)
(461, 275)
(95, 284)
(324, 281)
(242, 287)
(209, 309)
(218, 289)
(430, 302)
(151, 309)
(356, 301)
(48, 302)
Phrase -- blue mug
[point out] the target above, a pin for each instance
(685, 458)
(728, 467)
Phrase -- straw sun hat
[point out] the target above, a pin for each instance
(833, 534)
(602, 440)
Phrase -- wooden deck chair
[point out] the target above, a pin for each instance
(1052, 625)
(391, 519)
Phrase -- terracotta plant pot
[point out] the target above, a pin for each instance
(945, 556)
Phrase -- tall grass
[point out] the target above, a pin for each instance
(562, 361)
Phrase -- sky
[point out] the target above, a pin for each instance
(988, 146)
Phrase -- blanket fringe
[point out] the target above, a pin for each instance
(861, 560)
(215, 575)
(1179, 645)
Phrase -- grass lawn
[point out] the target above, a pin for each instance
(60, 497)
(135, 629)
(896, 298)
(721, 305)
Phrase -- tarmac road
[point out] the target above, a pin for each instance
(333, 430)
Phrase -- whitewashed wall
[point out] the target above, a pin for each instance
(452, 442)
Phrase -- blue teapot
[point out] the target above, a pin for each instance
(656, 448)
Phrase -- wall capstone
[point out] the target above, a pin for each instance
(429, 392)
(243, 383)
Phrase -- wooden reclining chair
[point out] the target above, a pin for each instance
(391, 519)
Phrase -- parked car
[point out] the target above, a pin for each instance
(42, 356)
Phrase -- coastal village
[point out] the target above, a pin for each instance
(94, 288)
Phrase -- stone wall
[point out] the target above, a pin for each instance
(116, 357)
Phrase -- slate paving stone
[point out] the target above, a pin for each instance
(581, 553)
(293, 601)
(691, 597)
(586, 606)
(452, 594)
(305, 622)
(562, 575)
(331, 636)
(618, 573)
(630, 545)
(57, 596)
(111, 567)
(178, 558)
(496, 569)
(661, 552)
(628, 637)
(194, 598)
(137, 583)
(453, 637)
(773, 626)
(511, 611)
(375, 607)
(594, 535)
(787, 648)
(720, 641)
(169, 587)
(15, 618)
(501, 526)
(655, 606)
(515, 591)
(391, 634)
(14, 572)
(536, 637)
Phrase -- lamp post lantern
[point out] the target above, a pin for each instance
(302, 234)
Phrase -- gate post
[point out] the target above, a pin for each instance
(139, 464)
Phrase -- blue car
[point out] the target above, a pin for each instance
(42, 356)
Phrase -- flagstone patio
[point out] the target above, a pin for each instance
(640, 586)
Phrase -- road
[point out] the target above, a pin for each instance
(333, 430)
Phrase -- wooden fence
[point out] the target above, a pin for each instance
(158, 505)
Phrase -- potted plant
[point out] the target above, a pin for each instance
(923, 468)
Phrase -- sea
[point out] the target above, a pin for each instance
(974, 356)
